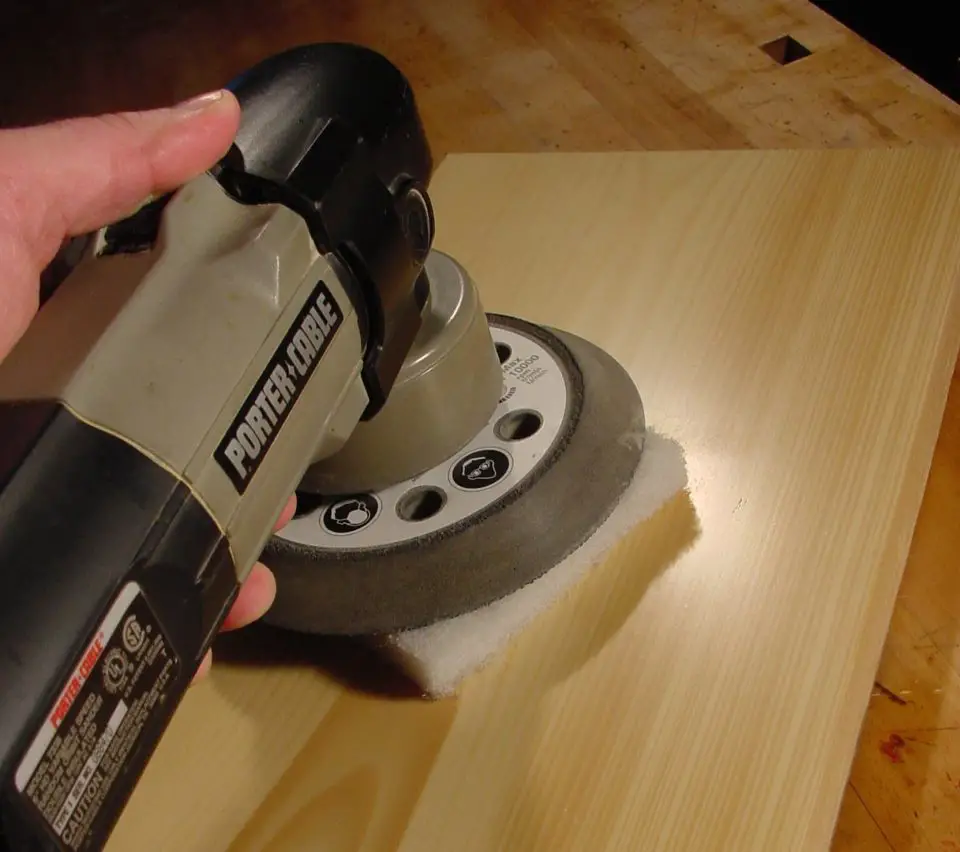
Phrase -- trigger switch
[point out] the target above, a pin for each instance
(136, 233)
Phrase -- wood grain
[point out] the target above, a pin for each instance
(792, 318)
(560, 75)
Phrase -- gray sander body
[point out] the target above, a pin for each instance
(509, 542)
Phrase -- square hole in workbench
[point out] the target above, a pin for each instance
(785, 50)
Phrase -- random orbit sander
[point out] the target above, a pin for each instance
(283, 323)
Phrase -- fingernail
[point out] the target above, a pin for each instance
(200, 103)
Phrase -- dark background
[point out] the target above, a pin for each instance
(64, 57)
(921, 35)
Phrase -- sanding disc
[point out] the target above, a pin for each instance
(549, 467)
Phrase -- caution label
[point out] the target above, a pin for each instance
(267, 406)
(95, 722)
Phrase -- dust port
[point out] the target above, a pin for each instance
(503, 352)
(420, 504)
(518, 425)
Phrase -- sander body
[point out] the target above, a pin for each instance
(164, 405)
(281, 324)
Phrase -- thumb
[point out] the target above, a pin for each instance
(73, 176)
(69, 177)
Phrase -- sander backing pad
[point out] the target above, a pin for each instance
(557, 457)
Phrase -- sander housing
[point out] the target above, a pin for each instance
(170, 395)
(283, 324)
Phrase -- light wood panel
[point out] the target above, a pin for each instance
(792, 319)
(502, 75)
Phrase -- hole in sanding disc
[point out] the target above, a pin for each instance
(503, 352)
(518, 425)
(421, 503)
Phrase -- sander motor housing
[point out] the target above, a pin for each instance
(169, 397)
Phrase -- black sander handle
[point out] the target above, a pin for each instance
(169, 396)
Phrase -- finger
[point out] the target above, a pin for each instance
(259, 589)
(73, 176)
(255, 598)
(287, 514)
(204, 668)
(256, 595)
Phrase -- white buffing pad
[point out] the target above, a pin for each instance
(440, 656)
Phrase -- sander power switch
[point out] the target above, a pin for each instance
(182, 374)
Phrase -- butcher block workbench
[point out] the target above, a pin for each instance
(789, 316)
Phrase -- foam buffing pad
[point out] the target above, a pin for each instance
(438, 657)
(442, 568)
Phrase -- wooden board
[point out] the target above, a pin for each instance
(792, 319)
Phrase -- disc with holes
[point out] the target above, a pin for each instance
(546, 471)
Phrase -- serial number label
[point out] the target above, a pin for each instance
(121, 680)
(267, 406)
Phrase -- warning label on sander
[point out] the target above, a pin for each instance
(121, 679)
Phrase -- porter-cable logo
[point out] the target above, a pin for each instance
(266, 407)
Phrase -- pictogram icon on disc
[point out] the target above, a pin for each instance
(480, 469)
(351, 514)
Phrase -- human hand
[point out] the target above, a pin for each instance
(72, 177)
(255, 597)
